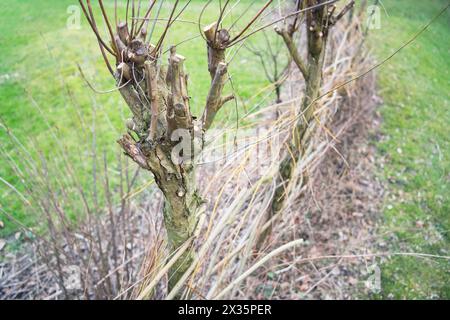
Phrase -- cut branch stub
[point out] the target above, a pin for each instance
(121, 47)
(133, 151)
(124, 72)
(151, 76)
(288, 39)
(215, 101)
(122, 31)
(138, 52)
(217, 41)
(178, 113)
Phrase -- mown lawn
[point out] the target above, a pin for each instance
(416, 146)
(41, 87)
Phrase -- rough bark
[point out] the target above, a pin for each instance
(182, 200)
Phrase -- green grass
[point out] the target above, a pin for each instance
(416, 127)
(42, 52)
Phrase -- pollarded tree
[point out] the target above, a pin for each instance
(318, 18)
(159, 101)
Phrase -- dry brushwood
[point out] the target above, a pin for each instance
(159, 101)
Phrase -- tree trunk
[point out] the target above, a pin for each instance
(181, 205)
(181, 198)
(317, 34)
(298, 144)
(159, 101)
(161, 116)
(300, 137)
(160, 107)
(318, 24)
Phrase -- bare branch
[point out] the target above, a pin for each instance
(161, 39)
(105, 16)
(343, 12)
(251, 22)
(102, 50)
(131, 150)
(145, 20)
(94, 29)
(293, 51)
(214, 101)
(284, 18)
(151, 73)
